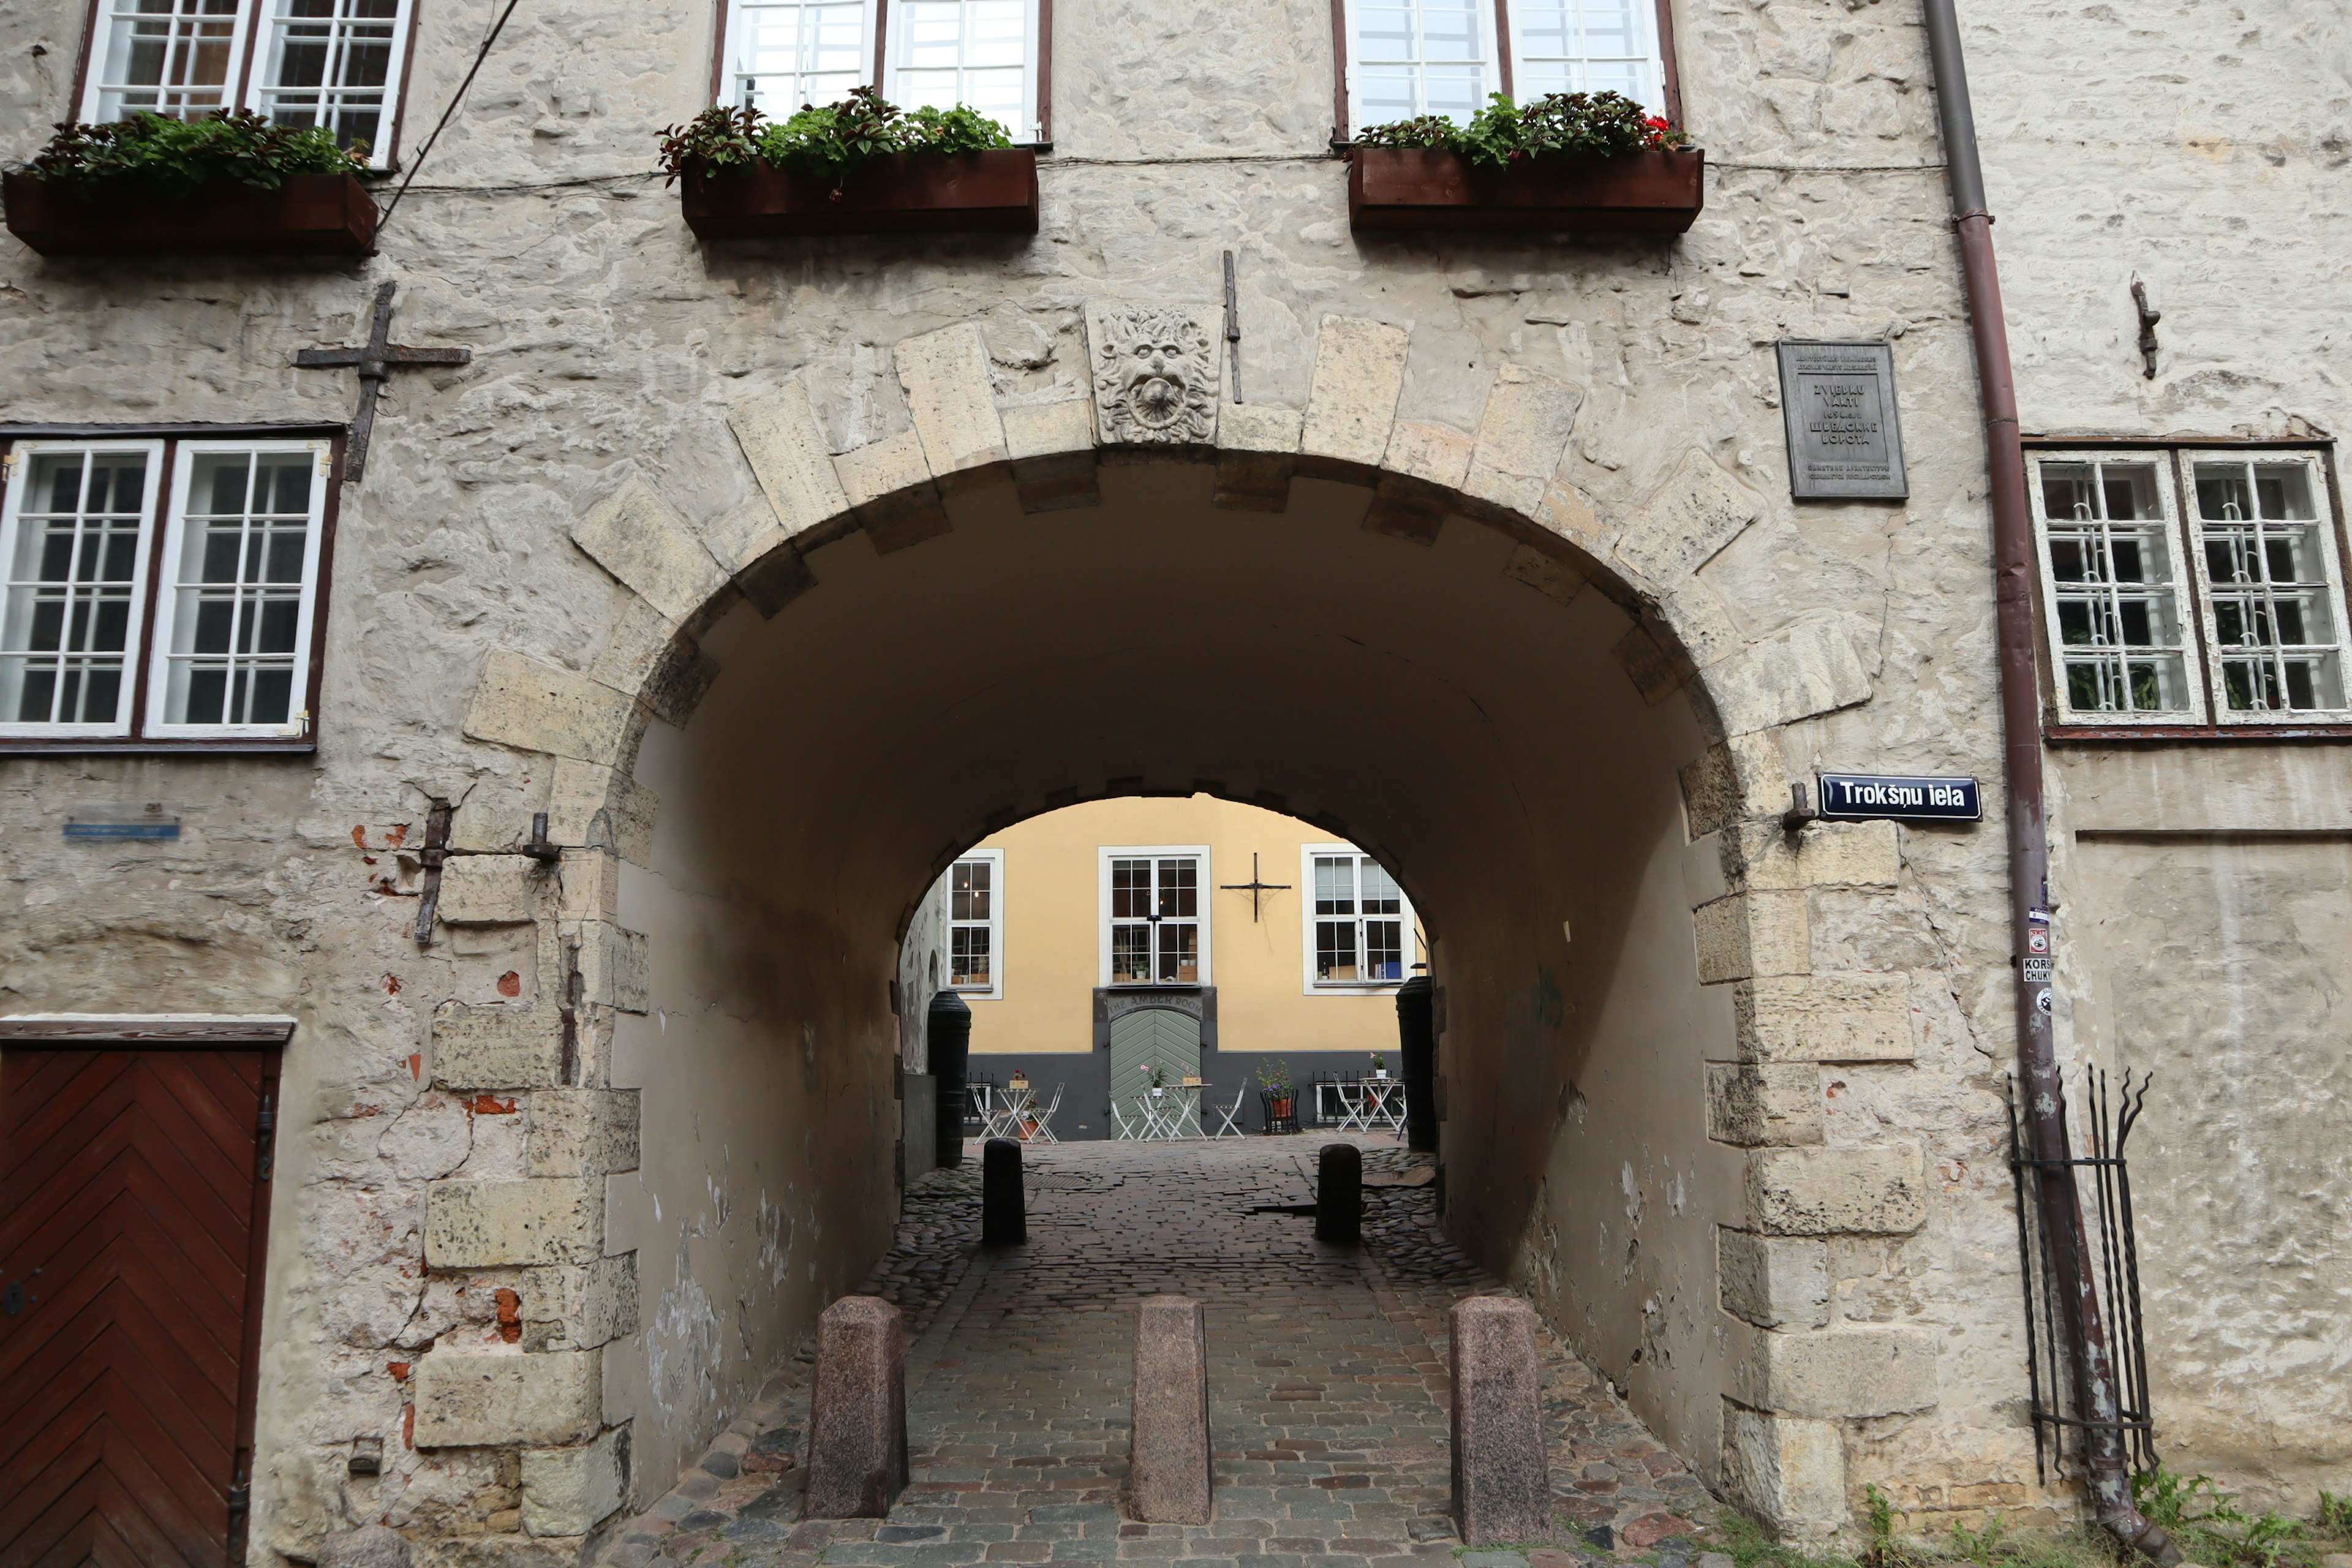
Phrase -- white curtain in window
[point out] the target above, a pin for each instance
(982, 53)
(785, 54)
(1419, 57)
(1586, 46)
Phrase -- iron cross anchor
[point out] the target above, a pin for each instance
(375, 363)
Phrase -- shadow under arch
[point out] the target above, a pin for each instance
(1448, 703)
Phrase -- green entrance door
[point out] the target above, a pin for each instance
(1147, 1035)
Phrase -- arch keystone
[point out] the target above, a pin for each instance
(1257, 448)
(1352, 401)
(1686, 521)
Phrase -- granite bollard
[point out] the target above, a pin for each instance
(857, 1411)
(1168, 1464)
(1339, 1195)
(1003, 1209)
(1502, 1476)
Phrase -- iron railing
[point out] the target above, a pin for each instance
(2103, 1121)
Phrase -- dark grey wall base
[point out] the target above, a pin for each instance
(1084, 1080)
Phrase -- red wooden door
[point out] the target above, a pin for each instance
(133, 1196)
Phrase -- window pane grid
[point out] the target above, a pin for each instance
(65, 638)
(1419, 57)
(1155, 933)
(2271, 592)
(238, 589)
(165, 57)
(1359, 946)
(972, 52)
(789, 54)
(328, 63)
(971, 925)
(2115, 589)
(1586, 46)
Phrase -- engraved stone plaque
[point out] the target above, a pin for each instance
(1155, 374)
(1845, 441)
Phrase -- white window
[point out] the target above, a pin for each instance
(975, 924)
(1357, 923)
(1408, 58)
(982, 53)
(2272, 585)
(1155, 922)
(222, 633)
(335, 64)
(1586, 46)
(784, 54)
(2231, 614)
(74, 536)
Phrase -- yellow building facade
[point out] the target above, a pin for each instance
(1279, 942)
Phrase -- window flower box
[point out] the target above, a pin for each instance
(1402, 189)
(992, 192)
(309, 214)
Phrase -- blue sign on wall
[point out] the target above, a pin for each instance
(1862, 797)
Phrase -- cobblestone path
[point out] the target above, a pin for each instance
(1328, 1385)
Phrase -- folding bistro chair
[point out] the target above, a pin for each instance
(1229, 1116)
(1042, 1119)
(1119, 1116)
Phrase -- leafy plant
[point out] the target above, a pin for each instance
(1380, 1062)
(1157, 1074)
(1557, 125)
(1274, 1077)
(1884, 1551)
(2335, 1517)
(177, 158)
(2213, 1530)
(829, 141)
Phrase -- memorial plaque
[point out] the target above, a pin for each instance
(1846, 442)
(1860, 797)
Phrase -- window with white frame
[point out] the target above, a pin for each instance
(1358, 922)
(1155, 923)
(975, 923)
(334, 64)
(985, 54)
(2190, 587)
(207, 633)
(1408, 57)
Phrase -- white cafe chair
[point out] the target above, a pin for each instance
(1230, 1116)
(1043, 1132)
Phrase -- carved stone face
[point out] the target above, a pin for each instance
(1155, 375)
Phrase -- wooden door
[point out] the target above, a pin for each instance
(1148, 1035)
(133, 1200)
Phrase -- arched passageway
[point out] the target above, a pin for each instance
(1456, 706)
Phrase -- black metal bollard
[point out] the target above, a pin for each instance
(1003, 1210)
(1417, 1057)
(1339, 1195)
(947, 1034)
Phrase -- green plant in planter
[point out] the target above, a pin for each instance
(1557, 125)
(828, 143)
(1156, 1075)
(159, 155)
(1274, 1077)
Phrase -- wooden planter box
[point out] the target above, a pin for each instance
(310, 214)
(907, 192)
(1395, 189)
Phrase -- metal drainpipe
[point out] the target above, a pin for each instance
(2029, 839)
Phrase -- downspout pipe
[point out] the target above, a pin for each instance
(2029, 839)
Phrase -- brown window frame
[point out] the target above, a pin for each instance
(138, 742)
(243, 73)
(1669, 74)
(1044, 143)
(2059, 731)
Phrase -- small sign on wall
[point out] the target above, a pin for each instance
(1845, 441)
(1867, 797)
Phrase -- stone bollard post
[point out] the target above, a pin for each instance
(1003, 1209)
(1168, 1457)
(857, 1411)
(1502, 1474)
(1339, 1195)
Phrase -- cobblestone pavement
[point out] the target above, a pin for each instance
(1328, 1385)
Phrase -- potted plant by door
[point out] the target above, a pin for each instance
(229, 184)
(863, 166)
(1379, 1065)
(1157, 1076)
(1277, 1095)
(1568, 162)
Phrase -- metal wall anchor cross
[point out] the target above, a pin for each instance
(375, 362)
(1256, 887)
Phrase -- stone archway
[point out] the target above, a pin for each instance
(1764, 1383)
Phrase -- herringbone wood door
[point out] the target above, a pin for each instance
(129, 1211)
